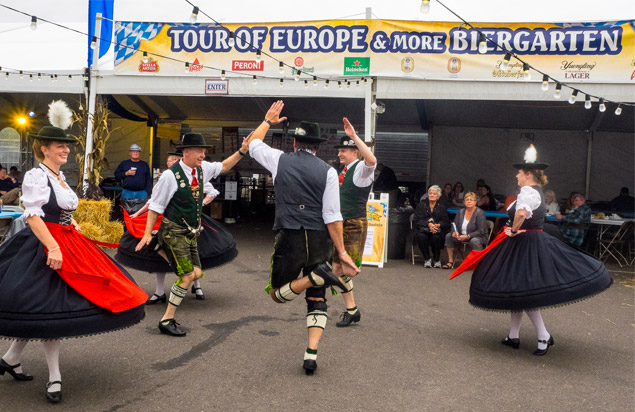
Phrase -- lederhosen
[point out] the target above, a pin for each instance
(353, 207)
(181, 224)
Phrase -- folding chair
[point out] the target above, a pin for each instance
(412, 241)
(613, 246)
(462, 248)
(5, 225)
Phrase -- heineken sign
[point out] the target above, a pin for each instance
(356, 66)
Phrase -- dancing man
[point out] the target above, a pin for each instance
(177, 195)
(307, 223)
(355, 181)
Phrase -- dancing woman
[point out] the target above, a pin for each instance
(525, 269)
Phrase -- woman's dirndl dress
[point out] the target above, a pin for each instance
(532, 270)
(90, 294)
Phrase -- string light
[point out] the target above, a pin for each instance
(348, 84)
(281, 65)
(55, 78)
(6, 76)
(30, 77)
(306, 83)
(557, 94)
(326, 83)
(314, 80)
(526, 72)
(93, 43)
(70, 78)
(187, 67)
(255, 79)
(339, 84)
(482, 44)
(297, 75)
(258, 55)
(222, 74)
(33, 23)
(357, 83)
(145, 56)
(574, 94)
(505, 63)
(52, 79)
(618, 111)
(231, 42)
(602, 107)
(425, 6)
(39, 76)
(545, 83)
(194, 15)
(587, 102)
(281, 82)
(365, 81)
(21, 75)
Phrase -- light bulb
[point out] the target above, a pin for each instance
(506, 59)
(618, 111)
(326, 83)
(314, 80)
(339, 84)
(602, 107)
(231, 42)
(425, 6)
(55, 78)
(306, 83)
(255, 79)
(365, 81)
(545, 83)
(21, 75)
(297, 75)
(194, 15)
(39, 76)
(187, 67)
(587, 102)
(348, 84)
(281, 65)
(52, 78)
(557, 94)
(145, 56)
(281, 82)
(258, 55)
(30, 77)
(93, 43)
(482, 44)
(6, 76)
(33, 23)
(574, 94)
(70, 78)
(222, 74)
(357, 83)
(526, 73)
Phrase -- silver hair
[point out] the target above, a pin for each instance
(435, 188)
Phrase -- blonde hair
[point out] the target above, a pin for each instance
(539, 176)
(37, 148)
(469, 194)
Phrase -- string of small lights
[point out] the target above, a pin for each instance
(546, 78)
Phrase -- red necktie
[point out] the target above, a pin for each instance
(343, 174)
(194, 180)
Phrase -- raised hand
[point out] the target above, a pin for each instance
(348, 128)
(273, 115)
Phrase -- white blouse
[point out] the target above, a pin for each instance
(528, 199)
(36, 192)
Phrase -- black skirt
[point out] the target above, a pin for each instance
(216, 246)
(36, 303)
(535, 270)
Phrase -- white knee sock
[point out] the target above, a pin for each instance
(160, 290)
(514, 324)
(52, 353)
(197, 287)
(536, 319)
(14, 354)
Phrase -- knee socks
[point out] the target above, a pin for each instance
(52, 353)
(14, 354)
(539, 324)
(310, 354)
(285, 293)
(160, 289)
(514, 324)
(197, 287)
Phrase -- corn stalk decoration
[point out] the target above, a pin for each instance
(97, 158)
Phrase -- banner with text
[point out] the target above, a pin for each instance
(350, 49)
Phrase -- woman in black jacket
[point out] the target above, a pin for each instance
(432, 223)
(469, 226)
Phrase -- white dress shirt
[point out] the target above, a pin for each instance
(167, 185)
(364, 174)
(528, 199)
(36, 192)
(269, 159)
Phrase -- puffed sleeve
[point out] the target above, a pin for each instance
(210, 190)
(528, 199)
(35, 192)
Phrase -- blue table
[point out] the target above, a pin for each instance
(488, 213)
(14, 215)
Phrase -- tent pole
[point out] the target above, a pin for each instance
(369, 98)
(589, 148)
(92, 96)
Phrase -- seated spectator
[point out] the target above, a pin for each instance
(9, 188)
(624, 202)
(468, 227)
(568, 205)
(486, 198)
(431, 223)
(457, 192)
(446, 195)
(480, 182)
(550, 200)
(15, 173)
(580, 213)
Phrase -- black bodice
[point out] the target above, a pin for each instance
(537, 219)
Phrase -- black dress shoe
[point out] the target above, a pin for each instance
(200, 296)
(5, 367)
(322, 275)
(171, 328)
(158, 299)
(309, 366)
(346, 319)
(514, 343)
(53, 397)
(541, 352)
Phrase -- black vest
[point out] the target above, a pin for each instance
(300, 184)
(353, 198)
(52, 212)
(537, 219)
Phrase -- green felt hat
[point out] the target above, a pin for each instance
(54, 134)
(193, 140)
(308, 132)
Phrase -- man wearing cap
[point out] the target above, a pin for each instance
(136, 179)
(178, 196)
(355, 181)
(307, 224)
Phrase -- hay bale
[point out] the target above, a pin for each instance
(112, 232)
(92, 231)
(94, 211)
